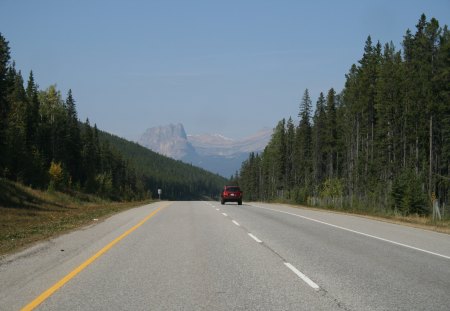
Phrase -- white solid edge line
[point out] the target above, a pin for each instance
(254, 238)
(306, 279)
(236, 223)
(224, 214)
(357, 232)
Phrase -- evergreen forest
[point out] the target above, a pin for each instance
(44, 145)
(381, 144)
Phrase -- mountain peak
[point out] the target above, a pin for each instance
(169, 140)
(213, 152)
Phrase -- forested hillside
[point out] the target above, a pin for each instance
(176, 179)
(382, 143)
(44, 145)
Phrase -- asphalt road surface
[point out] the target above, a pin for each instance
(207, 256)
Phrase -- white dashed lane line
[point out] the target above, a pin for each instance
(254, 238)
(306, 279)
(297, 272)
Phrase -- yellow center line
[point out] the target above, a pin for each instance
(42, 297)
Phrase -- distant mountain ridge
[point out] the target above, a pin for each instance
(213, 152)
(170, 140)
(218, 145)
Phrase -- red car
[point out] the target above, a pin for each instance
(231, 194)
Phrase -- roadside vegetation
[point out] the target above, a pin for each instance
(413, 220)
(28, 215)
(381, 146)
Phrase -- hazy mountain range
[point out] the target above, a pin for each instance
(213, 152)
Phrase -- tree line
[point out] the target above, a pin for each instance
(383, 143)
(44, 145)
(177, 179)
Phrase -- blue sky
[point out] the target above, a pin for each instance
(228, 67)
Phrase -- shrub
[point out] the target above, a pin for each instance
(56, 174)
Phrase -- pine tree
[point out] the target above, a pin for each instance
(319, 135)
(4, 65)
(390, 112)
(331, 134)
(33, 106)
(73, 139)
(290, 155)
(303, 146)
(442, 139)
(89, 158)
(16, 127)
(275, 158)
(350, 130)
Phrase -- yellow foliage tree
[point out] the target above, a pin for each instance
(56, 175)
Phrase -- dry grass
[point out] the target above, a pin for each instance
(28, 215)
(422, 222)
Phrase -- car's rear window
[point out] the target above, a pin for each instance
(233, 189)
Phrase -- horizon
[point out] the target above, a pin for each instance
(228, 68)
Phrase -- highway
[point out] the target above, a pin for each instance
(207, 256)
